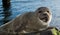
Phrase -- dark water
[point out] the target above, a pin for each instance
(20, 6)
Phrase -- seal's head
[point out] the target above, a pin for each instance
(44, 14)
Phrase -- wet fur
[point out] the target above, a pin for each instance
(27, 22)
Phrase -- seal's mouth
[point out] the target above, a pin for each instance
(45, 19)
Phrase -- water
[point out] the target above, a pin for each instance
(21, 6)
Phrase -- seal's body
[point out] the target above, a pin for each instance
(29, 22)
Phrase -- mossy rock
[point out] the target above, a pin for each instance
(55, 31)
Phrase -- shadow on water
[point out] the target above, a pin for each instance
(6, 10)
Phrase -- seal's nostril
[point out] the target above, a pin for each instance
(45, 14)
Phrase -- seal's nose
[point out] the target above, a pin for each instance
(45, 14)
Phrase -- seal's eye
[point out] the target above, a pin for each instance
(48, 11)
(40, 12)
